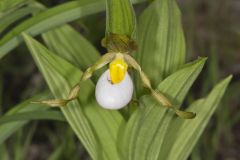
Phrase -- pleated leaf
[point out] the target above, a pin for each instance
(188, 132)
(7, 129)
(147, 127)
(92, 124)
(51, 18)
(5, 5)
(33, 115)
(72, 46)
(120, 17)
(160, 40)
(12, 17)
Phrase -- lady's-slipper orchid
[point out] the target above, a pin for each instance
(114, 88)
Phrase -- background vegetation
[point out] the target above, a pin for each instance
(211, 29)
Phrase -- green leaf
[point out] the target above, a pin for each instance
(147, 127)
(8, 129)
(160, 40)
(4, 152)
(9, 4)
(49, 19)
(108, 126)
(83, 54)
(97, 128)
(33, 115)
(12, 17)
(120, 17)
(190, 131)
(72, 46)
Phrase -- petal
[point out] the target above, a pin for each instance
(113, 96)
(118, 69)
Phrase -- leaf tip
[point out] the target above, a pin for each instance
(229, 78)
(202, 60)
(24, 35)
(225, 81)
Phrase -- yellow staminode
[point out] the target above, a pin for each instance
(118, 69)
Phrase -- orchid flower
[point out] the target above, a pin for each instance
(114, 88)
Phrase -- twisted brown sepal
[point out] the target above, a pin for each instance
(185, 114)
(52, 102)
(117, 43)
(166, 103)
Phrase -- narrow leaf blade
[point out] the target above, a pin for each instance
(81, 113)
(147, 127)
(120, 17)
(33, 115)
(72, 46)
(190, 131)
(6, 130)
(160, 40)
(51, 18)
